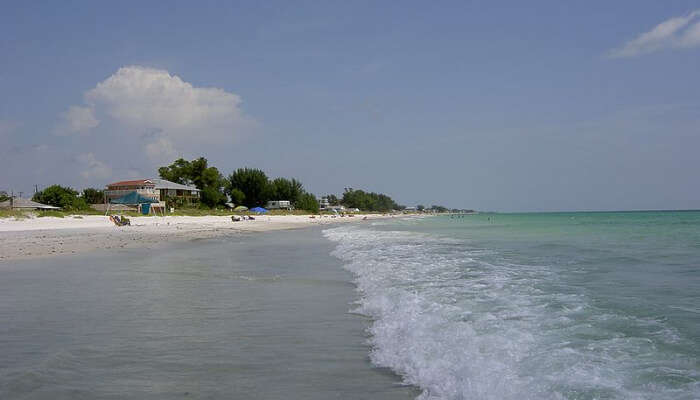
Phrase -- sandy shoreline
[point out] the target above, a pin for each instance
(50, 236)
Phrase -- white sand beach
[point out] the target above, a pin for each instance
(49, 236)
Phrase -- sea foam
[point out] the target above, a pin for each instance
(462, 322)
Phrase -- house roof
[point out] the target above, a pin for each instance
(131, 183)
(163, 184)
(26, 203)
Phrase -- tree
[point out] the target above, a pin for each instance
(237, 196)
(211, 184)
(368, 201)
(308, 202)
(93, 196)
(439, 209)
(211, 196)
(180, 171)
(420, 207)
(333, 200)
(198, 173)
(254, 185)
(4, 196)
(285, 189)
(60, 196)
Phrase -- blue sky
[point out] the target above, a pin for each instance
(487, 105)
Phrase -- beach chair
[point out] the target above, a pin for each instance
(120, 221)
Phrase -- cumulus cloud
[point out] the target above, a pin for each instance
(153, 98)
(161, 150)
(674, 33)
(140, 100)
(77, 120)
(93, 168)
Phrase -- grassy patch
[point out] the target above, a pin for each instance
(7, 213)
(51, 213)
(198, 212)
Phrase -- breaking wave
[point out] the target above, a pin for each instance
(462, 322)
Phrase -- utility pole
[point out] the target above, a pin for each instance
(36, 188)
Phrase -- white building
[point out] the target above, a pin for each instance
(279, 205)
(323, 203)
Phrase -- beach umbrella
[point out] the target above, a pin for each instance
(258, 210)
(241, 208)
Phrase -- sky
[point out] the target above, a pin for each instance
(489, 105)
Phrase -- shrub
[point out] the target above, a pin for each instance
(63, 197)
(308, 202)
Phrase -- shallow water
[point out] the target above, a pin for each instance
(262, 316)
(533, 306)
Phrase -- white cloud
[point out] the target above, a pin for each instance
(153, 98)
(674, 33)
(77, 120)
(144, 100)
(93, 168)
(161, 150)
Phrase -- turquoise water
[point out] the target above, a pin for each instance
(533, 306)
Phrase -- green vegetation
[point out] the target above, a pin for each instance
(368, 201)
(439, 209)
(63, 197)
(51, 213)
(254, 185)
(198, 212)
(308, 202)
(285, 189)
(251, 187)
(332, 200)
(4, 196)
(197, 173)
(93, 196)
(237, 196)
(7, 213)
(245, 186)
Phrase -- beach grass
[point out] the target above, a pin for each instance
(7, 213)
(51, 213)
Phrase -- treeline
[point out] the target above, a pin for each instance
(69, 199)
(435, 208)
(245, 186)
(368, 201)
(252, 187)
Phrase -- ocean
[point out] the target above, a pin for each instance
(253, 316)
(485, 306)
(590, 305)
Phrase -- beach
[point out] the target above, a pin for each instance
(51, 236)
